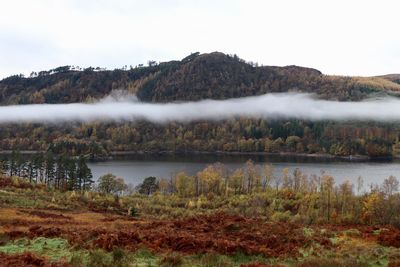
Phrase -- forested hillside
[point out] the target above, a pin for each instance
(215, 75)
(196, 77)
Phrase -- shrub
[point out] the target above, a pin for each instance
(77, 260)
(352, 233)
(99, 258)
(132, 211)
(281, 216)
(118, 255)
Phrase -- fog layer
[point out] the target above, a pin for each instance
(270, 106)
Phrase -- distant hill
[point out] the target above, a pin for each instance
(392, 77)
(198, 76)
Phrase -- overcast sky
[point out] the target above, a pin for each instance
(346, 37)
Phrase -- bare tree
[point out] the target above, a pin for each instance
(390, 185)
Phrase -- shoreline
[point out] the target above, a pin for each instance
(355, 158)
(278, 154)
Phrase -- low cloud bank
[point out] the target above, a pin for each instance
(270, 106)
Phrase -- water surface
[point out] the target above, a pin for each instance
(134, 168)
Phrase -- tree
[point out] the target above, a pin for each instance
(360, 184)
(21, 165)
(253, 177)
(70, 166)
(164, 186)
(84, 174)
(373, 208)
(3, 167)
(327, 185)
(390, 185)
(184, 184)
(237, 181)
(14, 162)
(38, 163)
(120, 186)
(297, 179)
(50, 168)
(111, 184)
(286, 179)
(210, 180)
(60, 172)
(31, 170)
(268, 175)
(149, 186)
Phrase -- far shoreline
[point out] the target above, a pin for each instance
(277, 154)
(326, 156)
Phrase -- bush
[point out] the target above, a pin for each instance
(99, 258)
(118, 255)
(352, 233)
(281, 216)
(77, 260)
(132, 211)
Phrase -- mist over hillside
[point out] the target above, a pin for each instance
(119, 107)
(302, 125)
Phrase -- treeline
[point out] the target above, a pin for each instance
(56, 171)
(295, 197)
(234, 135)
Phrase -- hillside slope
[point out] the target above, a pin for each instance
(196, 77)
(214, 75)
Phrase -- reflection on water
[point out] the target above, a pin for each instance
(136, 167)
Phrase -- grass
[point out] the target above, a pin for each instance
(353, 253)
(349, 248)
(55, 249)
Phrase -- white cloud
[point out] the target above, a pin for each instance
(338, 37)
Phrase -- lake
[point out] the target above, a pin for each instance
(134, 168)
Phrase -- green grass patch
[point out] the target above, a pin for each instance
(54, 249)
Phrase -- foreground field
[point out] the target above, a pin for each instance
(84, 237)
(39, 227)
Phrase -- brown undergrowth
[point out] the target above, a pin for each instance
(221, 233)
(216, 233)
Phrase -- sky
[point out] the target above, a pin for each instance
(341, 37)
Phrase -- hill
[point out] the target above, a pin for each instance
(198, 76)
(392, 77)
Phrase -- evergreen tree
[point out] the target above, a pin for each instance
(31, 170)
(84, 174)
(4, 167)
(60, 172)
(71, 170)
(13, 163)
(50, 169)
(38, 164)
(21, 165)
(149, 186)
